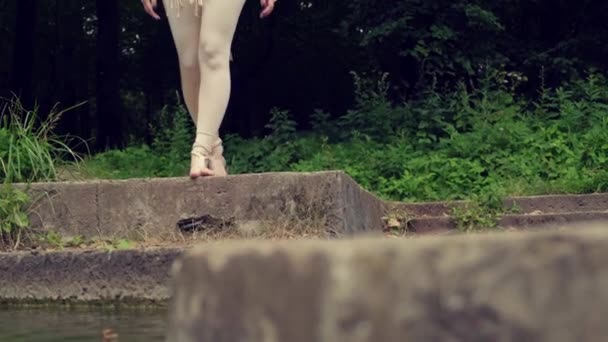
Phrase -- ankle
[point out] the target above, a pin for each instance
(205, 139)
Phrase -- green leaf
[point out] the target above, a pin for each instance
(123, 244)
(21, 220)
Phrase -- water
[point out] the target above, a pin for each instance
(80, 325)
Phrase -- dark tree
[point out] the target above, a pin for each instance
(109, 118)
(23, 51)
(69, 75)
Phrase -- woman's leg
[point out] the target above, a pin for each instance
(219, 21)
(186, 31)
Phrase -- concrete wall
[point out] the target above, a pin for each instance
(503, 287)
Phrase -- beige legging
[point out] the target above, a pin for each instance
(203, 37)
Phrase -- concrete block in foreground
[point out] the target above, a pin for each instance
(506, 287)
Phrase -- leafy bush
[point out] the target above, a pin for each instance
(13, 218)
(464, 144)
(167, 156)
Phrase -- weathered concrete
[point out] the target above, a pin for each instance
(94, 276)
(547, 204)
(500, 287)
(530, 212)
(152, 207)
(570, 220)
(559, 203)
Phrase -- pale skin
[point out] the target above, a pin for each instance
(203, 45)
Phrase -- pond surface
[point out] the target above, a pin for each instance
(80, 325)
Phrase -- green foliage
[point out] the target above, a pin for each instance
(120, 244)
(167, 156)
(445, 41)
(473, 143)
(132, 162)
(13, 217)
(372, 114)
(29, 150)
(444, 38)
(54, 240)
(421, 43)
(173, 139)
(481, 212)
(274, 152)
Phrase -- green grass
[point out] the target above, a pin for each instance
(462, 144)
(29, 152)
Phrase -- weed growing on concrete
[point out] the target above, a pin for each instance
(482, 212)
(13, 214)
(53, 239)
(56, 241)
(29, 152)
(396, 223)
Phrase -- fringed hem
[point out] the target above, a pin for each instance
(178, 4)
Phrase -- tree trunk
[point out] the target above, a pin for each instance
(109, 120)
(23, 53)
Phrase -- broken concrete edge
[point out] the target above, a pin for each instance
(136, 278)
(515, 286)
(540, 204)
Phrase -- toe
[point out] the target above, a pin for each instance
(201, 172)
(207, 172)
(194, 174)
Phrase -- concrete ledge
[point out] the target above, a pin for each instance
(548, 204)
(122, 277)
(152, 207)
(499, 287)
(571, 220)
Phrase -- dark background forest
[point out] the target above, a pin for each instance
(122, 64)
(415, 99)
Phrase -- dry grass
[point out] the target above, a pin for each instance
(280, 228)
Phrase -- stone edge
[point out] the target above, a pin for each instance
(129, 277)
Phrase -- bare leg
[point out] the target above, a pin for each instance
(219, 21)
(186, 31)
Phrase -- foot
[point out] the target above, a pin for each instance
(208, 160)
(201, 161)
(218, 163)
